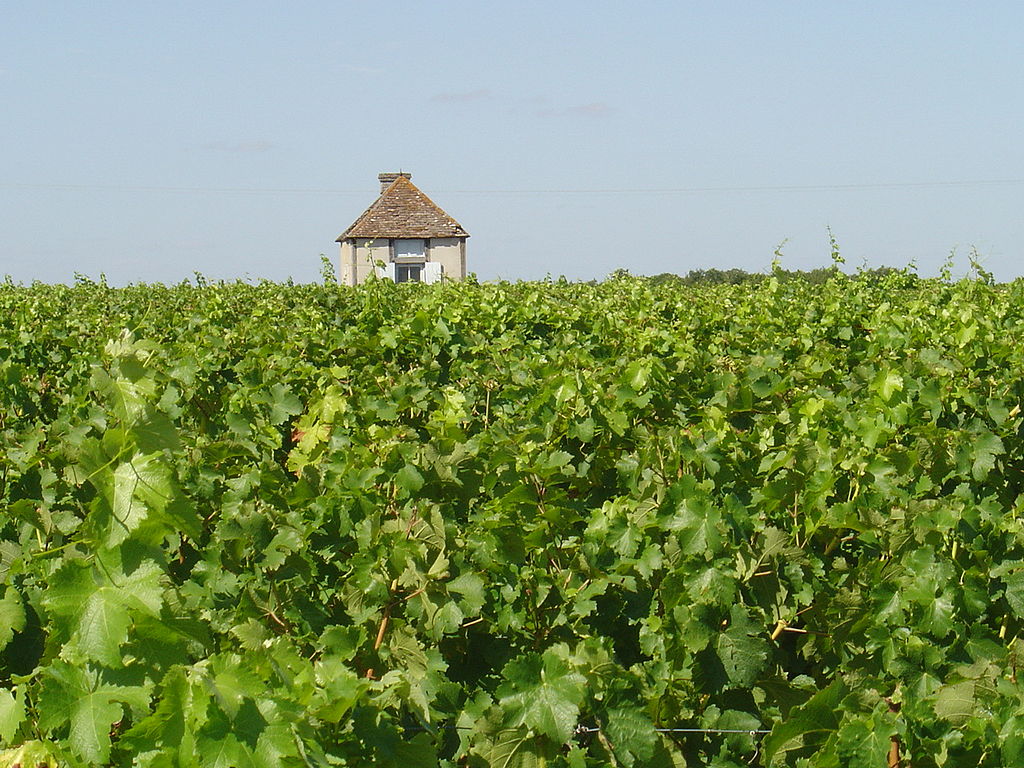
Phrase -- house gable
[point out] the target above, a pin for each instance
(403, 211)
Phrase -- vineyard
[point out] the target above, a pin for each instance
(502, 525)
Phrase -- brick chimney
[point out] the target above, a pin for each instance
(386, 179)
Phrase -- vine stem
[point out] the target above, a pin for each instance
(893, 760)
(383, 627)
(54, 550)
(385, 618)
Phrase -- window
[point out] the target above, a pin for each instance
(409, 250)
(408, 273)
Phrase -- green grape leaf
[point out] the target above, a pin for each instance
(957, 702)
(224, 750)
(887, 383)
(12, 714)
(470, 588)
(865, 741)
(155, 432)
(12, 616)
(34, 754)
(808, 725)
(987, 448)
(697, 524)
(283, 404)
(742, 648)
(416, 752)
(170, 727)
(1012, 575)
(130, 399)
(78, 696)
(96, 604)
(517, 748)
(632, 735)
(543, 693)
(139, 488)
(409, 479)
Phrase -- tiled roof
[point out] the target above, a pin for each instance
(403, 211)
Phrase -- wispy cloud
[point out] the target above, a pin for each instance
(461, 97)
(539, 105)
(258, 145)
(594, 110)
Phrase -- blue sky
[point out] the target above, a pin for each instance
(148, 141)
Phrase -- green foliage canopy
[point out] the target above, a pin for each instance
(512, 524)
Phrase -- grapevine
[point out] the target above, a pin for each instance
(634, 523)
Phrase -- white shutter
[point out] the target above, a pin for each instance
(388, 271)
(432, 272)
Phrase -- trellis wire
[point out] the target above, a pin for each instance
(750, 732)
(585, 729)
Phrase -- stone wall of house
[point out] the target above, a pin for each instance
(359, 256)
(451, 253)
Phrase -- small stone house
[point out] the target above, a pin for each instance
(407, 233)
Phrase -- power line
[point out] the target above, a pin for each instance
(765, 188)
(527, 192)
(150, 188)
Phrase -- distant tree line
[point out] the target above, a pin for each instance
(742, 277)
